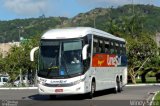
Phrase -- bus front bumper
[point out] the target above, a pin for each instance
(75, 89)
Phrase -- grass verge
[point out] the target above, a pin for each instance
(148, 80)
(156, 101)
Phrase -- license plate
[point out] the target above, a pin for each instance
(58, 90)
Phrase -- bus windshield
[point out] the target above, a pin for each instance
(60, 59)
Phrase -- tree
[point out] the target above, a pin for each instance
(19, 58)
(139, 52)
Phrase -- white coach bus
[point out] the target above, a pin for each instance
(80, 60)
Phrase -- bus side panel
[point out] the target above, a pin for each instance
(105, 78)
(125, 73)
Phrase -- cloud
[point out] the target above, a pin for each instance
(32, 8)
(26, 7)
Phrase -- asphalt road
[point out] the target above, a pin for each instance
(32, 98)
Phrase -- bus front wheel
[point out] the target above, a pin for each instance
(93, 87)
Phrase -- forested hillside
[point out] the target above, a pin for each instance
(27, 27)
(147, 17)
(113, 20)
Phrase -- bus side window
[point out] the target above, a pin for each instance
(95, 46)
(124, 48)
(101, 49)
(112, 51)
(121, 48)
(103, 46)
(117, 47)
(5, 80)
(106, 44)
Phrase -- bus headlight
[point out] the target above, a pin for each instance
(78, 81)
(78, 88)
(41, 81)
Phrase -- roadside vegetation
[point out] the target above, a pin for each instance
(148, 80)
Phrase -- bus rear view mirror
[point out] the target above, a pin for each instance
(32, 53)
(84, 52)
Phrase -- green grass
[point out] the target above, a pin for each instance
(148, 80)
(156, 101)
(157, 97)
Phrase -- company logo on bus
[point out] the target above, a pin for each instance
(58, 81)
(106, 60)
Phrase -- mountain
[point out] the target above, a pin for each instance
(147, 18)
(14, 29)
(147, 15)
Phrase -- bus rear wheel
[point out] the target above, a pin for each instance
(118, 87)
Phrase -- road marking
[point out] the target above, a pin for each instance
(153, 98)
(134, 85)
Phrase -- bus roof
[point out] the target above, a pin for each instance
(76, 32)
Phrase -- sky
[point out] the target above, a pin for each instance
(21, 9)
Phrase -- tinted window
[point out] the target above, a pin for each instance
(5, 79)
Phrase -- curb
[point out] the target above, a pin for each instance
(19, 88)
(135, 85)
(129, 85)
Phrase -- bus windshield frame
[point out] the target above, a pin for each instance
(60, 58)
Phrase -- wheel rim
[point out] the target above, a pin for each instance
(121, 85)
(116, 88)
(93, 88)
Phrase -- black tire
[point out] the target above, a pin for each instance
(52, 97)
(119, 86)
(93, 87)
(115, 90)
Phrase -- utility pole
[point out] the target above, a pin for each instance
(94, 19)
(19, 32)
(132, 16)
(19, 35)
